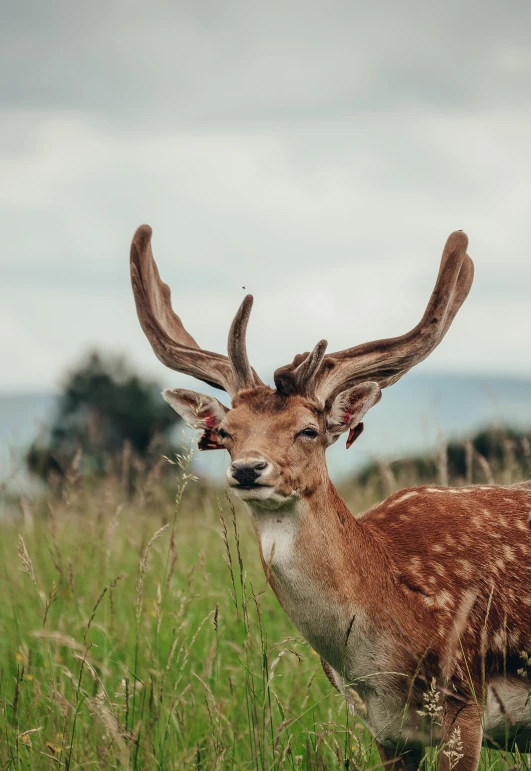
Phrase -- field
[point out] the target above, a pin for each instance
(137, 631)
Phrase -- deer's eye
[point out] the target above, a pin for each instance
(311, 433)
(223, 434)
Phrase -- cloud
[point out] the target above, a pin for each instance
(170, 64)
(317, 155)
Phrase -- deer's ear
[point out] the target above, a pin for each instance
(348, 411)
(198, 411)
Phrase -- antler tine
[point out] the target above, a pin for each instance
(170, 341)
(243, 374)
(298, 376)
(309, 367)
(386, 361)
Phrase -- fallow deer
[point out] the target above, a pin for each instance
(428, 589)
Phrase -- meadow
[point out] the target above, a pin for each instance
(137, 631)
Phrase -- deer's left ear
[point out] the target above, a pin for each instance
(348, 411)
(198, 411)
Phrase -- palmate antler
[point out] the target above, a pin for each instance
(317, 375)
(386, 361)
(170, 341)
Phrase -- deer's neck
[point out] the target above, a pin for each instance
(326, 570)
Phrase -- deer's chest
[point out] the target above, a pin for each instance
(336, 630)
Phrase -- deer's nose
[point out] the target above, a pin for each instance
(246, 472)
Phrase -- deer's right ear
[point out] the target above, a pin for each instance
(198, 411)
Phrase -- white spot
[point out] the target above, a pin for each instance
(498, 641)
(437, 547)
(445, 599)
(509, 553)
(466, 566)
(404, 497)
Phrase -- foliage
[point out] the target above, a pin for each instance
(104, 408)
(137, 633)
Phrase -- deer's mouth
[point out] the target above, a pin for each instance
(252, 486)
(261, 496)
(253, 492)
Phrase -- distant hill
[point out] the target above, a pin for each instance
(22, 417)
(411, 417)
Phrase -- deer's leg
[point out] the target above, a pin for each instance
(399, 760)
(461, 737)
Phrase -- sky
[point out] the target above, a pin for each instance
(314, 154)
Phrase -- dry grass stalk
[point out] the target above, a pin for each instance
(442, 463)
(112, 585)
(453, 749)
(113, 524)
(486, 469)
(26, 561)
(49, 602)
(143, 570)
(228, 555)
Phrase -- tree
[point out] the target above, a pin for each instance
(104, 407)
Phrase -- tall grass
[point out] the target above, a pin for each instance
(140, 633)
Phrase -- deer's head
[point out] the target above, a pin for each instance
(277, 438)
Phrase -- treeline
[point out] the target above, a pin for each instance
(494, 455)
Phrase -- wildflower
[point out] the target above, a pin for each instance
(431, 706)
(454, 747)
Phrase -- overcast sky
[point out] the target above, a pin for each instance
(316, 153)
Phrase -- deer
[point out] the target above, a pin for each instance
(428, 590)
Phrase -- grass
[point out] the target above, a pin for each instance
(138, 632)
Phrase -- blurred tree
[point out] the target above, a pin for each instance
(104, 410)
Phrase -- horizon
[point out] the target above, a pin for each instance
(412, 417)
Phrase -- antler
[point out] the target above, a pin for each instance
(170, 341)
(386, 361)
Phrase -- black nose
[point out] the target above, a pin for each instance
(247, 472)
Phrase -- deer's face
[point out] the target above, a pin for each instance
(276, 446)
(276, 443)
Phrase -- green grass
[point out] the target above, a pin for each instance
(139, 633)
